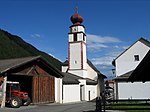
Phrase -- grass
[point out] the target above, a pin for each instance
(137, 110)
(129, 106)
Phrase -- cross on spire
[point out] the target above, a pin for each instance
(76, 8)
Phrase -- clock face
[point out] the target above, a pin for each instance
(74, 29)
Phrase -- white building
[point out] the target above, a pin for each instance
(125, 64)
(82, 81)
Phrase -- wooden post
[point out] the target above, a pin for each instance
(1, 88)
(4, 92)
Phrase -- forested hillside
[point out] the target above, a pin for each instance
(12, 46)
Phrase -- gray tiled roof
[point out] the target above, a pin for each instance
(91, 65)
(90, 82)
(7, 64)
(13, 65)
(74, 79)
(124, 77)
(70, 79)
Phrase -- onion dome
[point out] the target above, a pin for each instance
(76, 19)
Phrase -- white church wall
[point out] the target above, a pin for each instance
(71, 93)
(81, 29)
(75, 60)
(80, 36)
(136, 90)
(70, 38)
(126, 62)
(91, 73)
(58, 90)
(64, 68)
(81, 73)
(84, 57)
(91, 92)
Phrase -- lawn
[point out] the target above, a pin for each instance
(137, 110)
(129, 106)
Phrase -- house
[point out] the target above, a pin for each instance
(82, 80)
(125, 64)
(141, 72)
(35, 74)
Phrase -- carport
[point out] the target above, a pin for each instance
(35, 75)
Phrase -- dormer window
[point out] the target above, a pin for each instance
(136, 58)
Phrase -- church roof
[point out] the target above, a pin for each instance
(91, 65)
(74, 79)
(94, 68)
(90, 82)
(70, 78)
(76, 18)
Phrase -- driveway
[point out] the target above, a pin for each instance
(72, 107)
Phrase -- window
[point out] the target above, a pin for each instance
(75, 36)
(136, 58)
(83, 38)
(75, 62)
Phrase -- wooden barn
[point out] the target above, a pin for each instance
(35, 74)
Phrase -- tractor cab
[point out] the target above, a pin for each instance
(14, 96)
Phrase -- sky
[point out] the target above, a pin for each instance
(111, 26)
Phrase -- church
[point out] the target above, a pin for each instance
(82, 80)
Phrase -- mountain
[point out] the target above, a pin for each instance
(12, 46)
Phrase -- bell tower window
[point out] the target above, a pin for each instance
(83, 38)
(75, 37)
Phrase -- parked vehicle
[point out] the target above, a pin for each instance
(14, 96)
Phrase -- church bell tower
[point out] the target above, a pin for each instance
(77, 57)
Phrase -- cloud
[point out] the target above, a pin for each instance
(96, 46)
(101, 39)
(103, 50)
(106, 59)
(104, 64)
(96, 42)
(102, 60)
(36, 35)
(125, 47)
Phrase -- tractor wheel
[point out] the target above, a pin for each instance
(27, 102)
(15, 102)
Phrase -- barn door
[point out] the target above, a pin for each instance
(43, 89)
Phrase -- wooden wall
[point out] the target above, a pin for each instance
(43, 89)
(39, 84)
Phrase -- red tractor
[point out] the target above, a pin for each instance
(14, 96)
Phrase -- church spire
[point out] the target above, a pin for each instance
(76, 19)
(76, 8)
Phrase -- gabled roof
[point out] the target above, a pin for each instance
(90, 81)
(74, 79)
(124, 77)
(70, 78)
(142, 71)
(142, 40)
(91, 65)
(95, 69)
(65, 63)
(18, 64)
